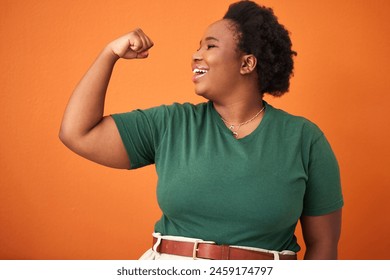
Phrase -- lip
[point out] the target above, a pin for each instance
(196, 77)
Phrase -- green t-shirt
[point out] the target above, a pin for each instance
(248, 192)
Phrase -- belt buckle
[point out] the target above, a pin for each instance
(195, 249)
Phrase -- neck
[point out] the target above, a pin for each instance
(240, 103)
(239, 111)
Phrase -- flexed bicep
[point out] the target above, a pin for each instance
(103, 145)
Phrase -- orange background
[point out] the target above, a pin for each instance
(57, 205)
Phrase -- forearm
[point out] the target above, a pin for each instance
(86, 106)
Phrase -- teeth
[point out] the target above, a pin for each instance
(199, 71)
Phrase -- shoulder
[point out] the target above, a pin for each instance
(184, 109)
(291, 124)
(187, 106)
(162, 112)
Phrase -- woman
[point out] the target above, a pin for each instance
(235, 174)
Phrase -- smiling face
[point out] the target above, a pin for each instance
(217, 63)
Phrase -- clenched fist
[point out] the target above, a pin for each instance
(135, 44)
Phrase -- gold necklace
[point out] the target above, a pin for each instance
(232, 126)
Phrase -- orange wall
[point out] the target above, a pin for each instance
(56, 205)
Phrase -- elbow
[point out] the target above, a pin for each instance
(73, 140)
(66, 136)
(69, 140)
(62, 136)
(323, 248)
(321, 251)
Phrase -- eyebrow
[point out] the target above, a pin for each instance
(209, 39)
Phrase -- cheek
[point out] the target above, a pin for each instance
(229, 70)
(230, 61)
(223, 67)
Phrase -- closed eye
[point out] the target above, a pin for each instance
(208, 47)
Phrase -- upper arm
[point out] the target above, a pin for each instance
(102, 144)
(322, 234)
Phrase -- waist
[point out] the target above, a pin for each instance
(198, 249)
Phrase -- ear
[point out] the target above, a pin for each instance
(248, 64)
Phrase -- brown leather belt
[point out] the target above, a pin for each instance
(213, 251)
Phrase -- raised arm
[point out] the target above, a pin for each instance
(84, 129)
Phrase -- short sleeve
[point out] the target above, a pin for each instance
(141, 132)
(323, 191)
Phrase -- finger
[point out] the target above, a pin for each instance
(149, 42)
(143, 39)
(143, 54)
(146, 41)
(135, 42)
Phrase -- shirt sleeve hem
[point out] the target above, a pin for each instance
(325, 210)
(134, 163)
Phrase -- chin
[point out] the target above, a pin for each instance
(202, 94)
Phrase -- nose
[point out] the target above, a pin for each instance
(196, 56)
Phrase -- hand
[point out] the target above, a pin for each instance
(135, 44)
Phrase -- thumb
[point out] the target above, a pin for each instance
(136, 46)
(143, 54)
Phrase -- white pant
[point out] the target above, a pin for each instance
(153, 255)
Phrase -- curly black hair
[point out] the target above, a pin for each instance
(259, 33)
